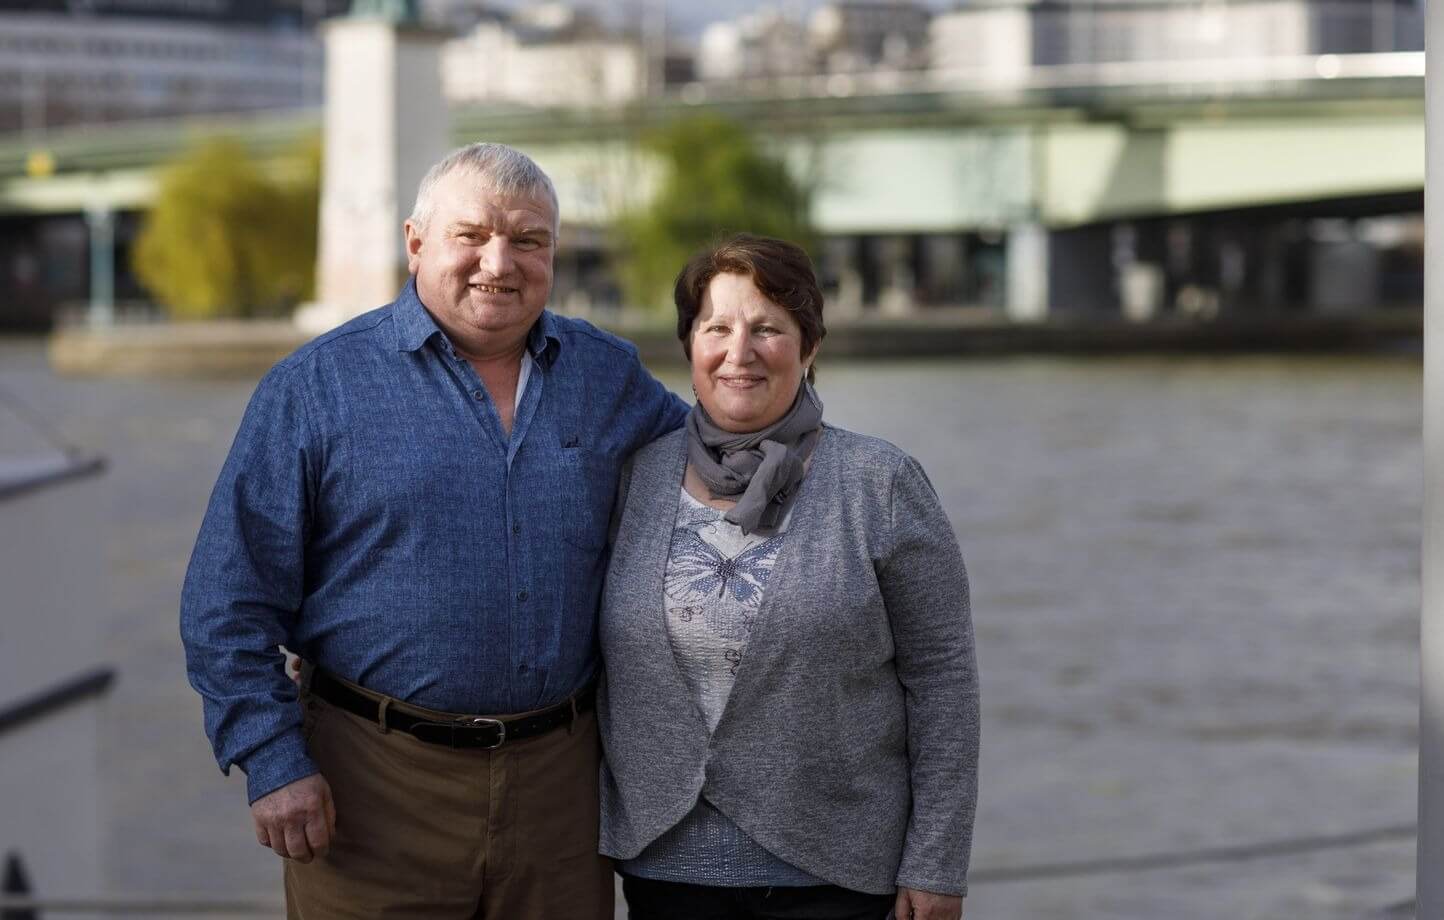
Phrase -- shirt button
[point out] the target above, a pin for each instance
(516, 528)
(476, 393)
(522, 669)
(521, 596)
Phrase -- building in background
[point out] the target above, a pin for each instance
(543, 54)
(766, 43)
(1138, 159)
(100, 61)
(847, 36)
(65, 63)
(856, 35)
(1003, 41)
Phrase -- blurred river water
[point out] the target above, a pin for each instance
(1195, 589)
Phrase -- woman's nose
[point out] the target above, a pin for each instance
(739, 347)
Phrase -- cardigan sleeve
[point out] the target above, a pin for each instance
(925, 590)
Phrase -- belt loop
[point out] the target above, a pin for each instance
(381, 725)
(572, 715)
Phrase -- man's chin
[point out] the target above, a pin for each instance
(500, 313)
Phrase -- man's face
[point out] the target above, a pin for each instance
(483, 262)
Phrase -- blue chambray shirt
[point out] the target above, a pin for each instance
(374, 517)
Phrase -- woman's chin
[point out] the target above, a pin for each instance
(739, 420)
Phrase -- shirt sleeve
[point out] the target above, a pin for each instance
(661, 409)
(244, 587)
(925, 589)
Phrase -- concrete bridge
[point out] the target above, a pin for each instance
(1133, 188)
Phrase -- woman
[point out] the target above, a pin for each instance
(789, 709)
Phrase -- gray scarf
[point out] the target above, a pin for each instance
(761, 469)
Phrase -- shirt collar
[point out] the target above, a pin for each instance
(414, 327)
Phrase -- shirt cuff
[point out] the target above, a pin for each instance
(277, 763)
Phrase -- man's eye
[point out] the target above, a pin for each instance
(527, 244)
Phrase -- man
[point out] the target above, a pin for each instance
(418, 502)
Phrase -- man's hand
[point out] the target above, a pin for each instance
(298, 820)
(924, 905)
(293, 665)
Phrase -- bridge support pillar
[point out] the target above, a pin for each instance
(1027, 272)
(100, 220)
(1429, 871)
(385, 124)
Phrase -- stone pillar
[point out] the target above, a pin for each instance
(839, 261)
(1027, 272)
(896, 297)
(1140, 290)
(1429, 881)
(386, 122)
(100, 220)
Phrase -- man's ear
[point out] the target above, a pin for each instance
(413, 246)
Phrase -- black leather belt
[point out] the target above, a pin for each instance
(469, 732)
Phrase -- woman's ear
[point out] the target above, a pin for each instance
(808, 360)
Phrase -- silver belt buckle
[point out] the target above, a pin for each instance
(500, 730)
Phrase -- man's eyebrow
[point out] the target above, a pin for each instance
(462, 226)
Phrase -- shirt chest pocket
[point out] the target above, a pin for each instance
(586, 482)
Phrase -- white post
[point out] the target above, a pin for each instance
(1027, 272)
(101, 221)
(1429, 871)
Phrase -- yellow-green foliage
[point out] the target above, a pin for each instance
(717, 181)
(224, 238)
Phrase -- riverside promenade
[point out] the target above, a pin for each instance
(1195, 587)
(247, 348)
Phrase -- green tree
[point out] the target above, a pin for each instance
(298, 225)
(224, 238)
(717, 180)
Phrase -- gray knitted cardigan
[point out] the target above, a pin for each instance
(849, 744)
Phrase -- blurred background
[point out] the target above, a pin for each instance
(1152, 270)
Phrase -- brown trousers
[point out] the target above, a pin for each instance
(424, 831)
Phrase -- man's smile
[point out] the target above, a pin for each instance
(492, 289)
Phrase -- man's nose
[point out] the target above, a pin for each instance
(496, 256)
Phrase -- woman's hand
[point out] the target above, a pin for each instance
(924, 905)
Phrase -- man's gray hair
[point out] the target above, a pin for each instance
(500, 168)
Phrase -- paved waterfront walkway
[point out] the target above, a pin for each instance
(1196, 595)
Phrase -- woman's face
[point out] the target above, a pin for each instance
(747, 360)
